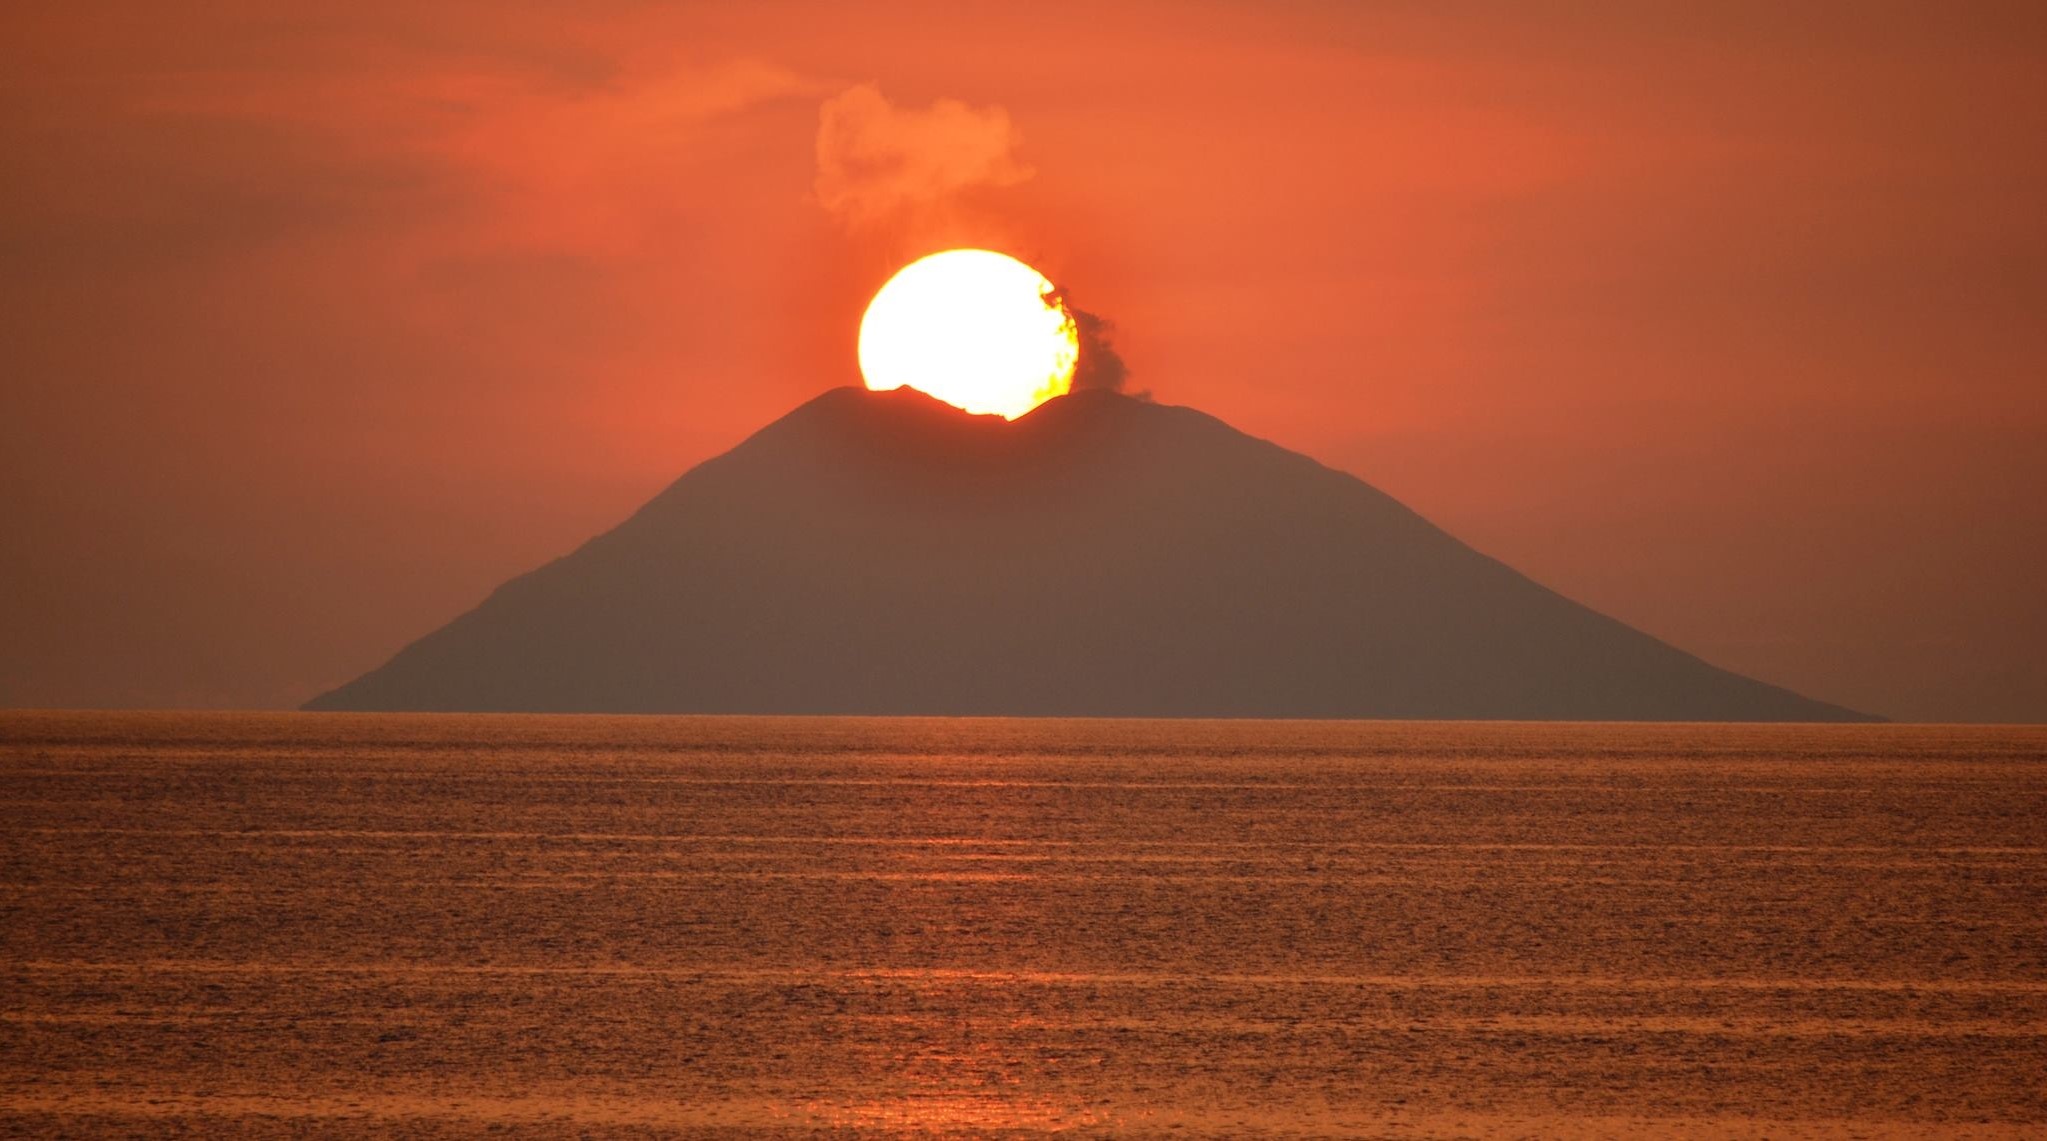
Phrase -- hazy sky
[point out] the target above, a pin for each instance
(316, 324)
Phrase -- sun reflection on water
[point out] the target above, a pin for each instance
(959, 1084)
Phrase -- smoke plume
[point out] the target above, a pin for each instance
(1099, 365)
(875, 159)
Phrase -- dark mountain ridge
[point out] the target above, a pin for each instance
(886, 553)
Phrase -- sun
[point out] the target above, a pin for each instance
(977, 329)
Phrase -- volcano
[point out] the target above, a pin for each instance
(883, 553)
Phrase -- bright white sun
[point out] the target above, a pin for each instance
(973, 328)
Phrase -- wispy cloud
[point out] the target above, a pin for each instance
(875, 159)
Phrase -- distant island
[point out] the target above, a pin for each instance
(884, 553)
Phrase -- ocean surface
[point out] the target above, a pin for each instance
(450, 926)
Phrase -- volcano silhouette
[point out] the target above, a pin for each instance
(881, 552)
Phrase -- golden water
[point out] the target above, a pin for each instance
(574, 926)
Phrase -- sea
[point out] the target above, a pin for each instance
(300, 925)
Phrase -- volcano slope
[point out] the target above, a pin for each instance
(883, 553)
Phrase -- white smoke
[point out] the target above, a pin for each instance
(875, 159)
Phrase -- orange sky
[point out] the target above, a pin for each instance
(317, 325)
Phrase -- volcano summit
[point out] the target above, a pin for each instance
(884, 553)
